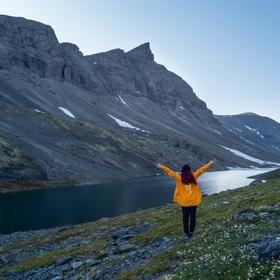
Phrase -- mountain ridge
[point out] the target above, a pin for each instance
(104, 116)
(261, 131)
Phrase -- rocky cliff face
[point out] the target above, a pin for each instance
(103, 116)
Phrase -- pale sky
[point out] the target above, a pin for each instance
(227, 50)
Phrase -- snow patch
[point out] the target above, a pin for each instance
(254, 130)
(263, 181)
(233, 167)
(276, 148)
(122, 101)
(247, 141)
(259, 134)
(125, 124)
(217, 131)
(181, 107)
(94, 62)
(248, 127)
(66, 112)
(238, 129)
(245, 156)
(38, 111)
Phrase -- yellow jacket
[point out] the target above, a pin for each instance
(186, 195)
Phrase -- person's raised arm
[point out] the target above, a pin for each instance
(167, 170)
(203, 168)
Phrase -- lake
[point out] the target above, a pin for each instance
(52, 207)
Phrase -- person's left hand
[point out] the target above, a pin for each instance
(213, 161)
(158, 165)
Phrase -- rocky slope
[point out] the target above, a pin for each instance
(103, 116)
(15, 166)
(238, 229)
(254, 129)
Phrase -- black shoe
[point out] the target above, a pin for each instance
(190, 234)
(186, 236)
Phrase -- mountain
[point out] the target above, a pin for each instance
(254, 129)
(101, 117)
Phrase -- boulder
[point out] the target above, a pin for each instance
(249, 215)
(267, 247)
(123, 233)
(76, 264)
(125, 247)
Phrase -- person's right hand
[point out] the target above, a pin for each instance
(158, 165)
(213, 161)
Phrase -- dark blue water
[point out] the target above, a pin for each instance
(72, 205)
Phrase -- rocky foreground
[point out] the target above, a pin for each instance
(237, 237)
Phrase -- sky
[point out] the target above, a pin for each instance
(227, 50)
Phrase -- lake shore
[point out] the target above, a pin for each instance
(239, 228)
(53, 207)
(20, 186)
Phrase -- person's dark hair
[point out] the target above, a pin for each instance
(187, 175)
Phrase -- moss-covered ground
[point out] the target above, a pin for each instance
(219, 249)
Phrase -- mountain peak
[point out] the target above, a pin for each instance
(27, 33)
(142, 52)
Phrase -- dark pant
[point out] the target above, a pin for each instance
(189, 214)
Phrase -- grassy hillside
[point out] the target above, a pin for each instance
(237, 237)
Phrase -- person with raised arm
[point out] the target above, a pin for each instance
(187, 193)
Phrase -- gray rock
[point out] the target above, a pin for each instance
(122, 233)
(122, 248)
(3, 261)
(148, 276)
(92, 262)
(267, 246)
(29, 33)
(57, 278)
(126, 236)
(144, 227)
(111, 250)
(84, 242)
(64, 260)
(246, 215)
(141, 53)
(65, 268)
(76, 265)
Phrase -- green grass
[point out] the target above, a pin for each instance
(95, 248)
(13, 186)
(8, 154)
(218, 250)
